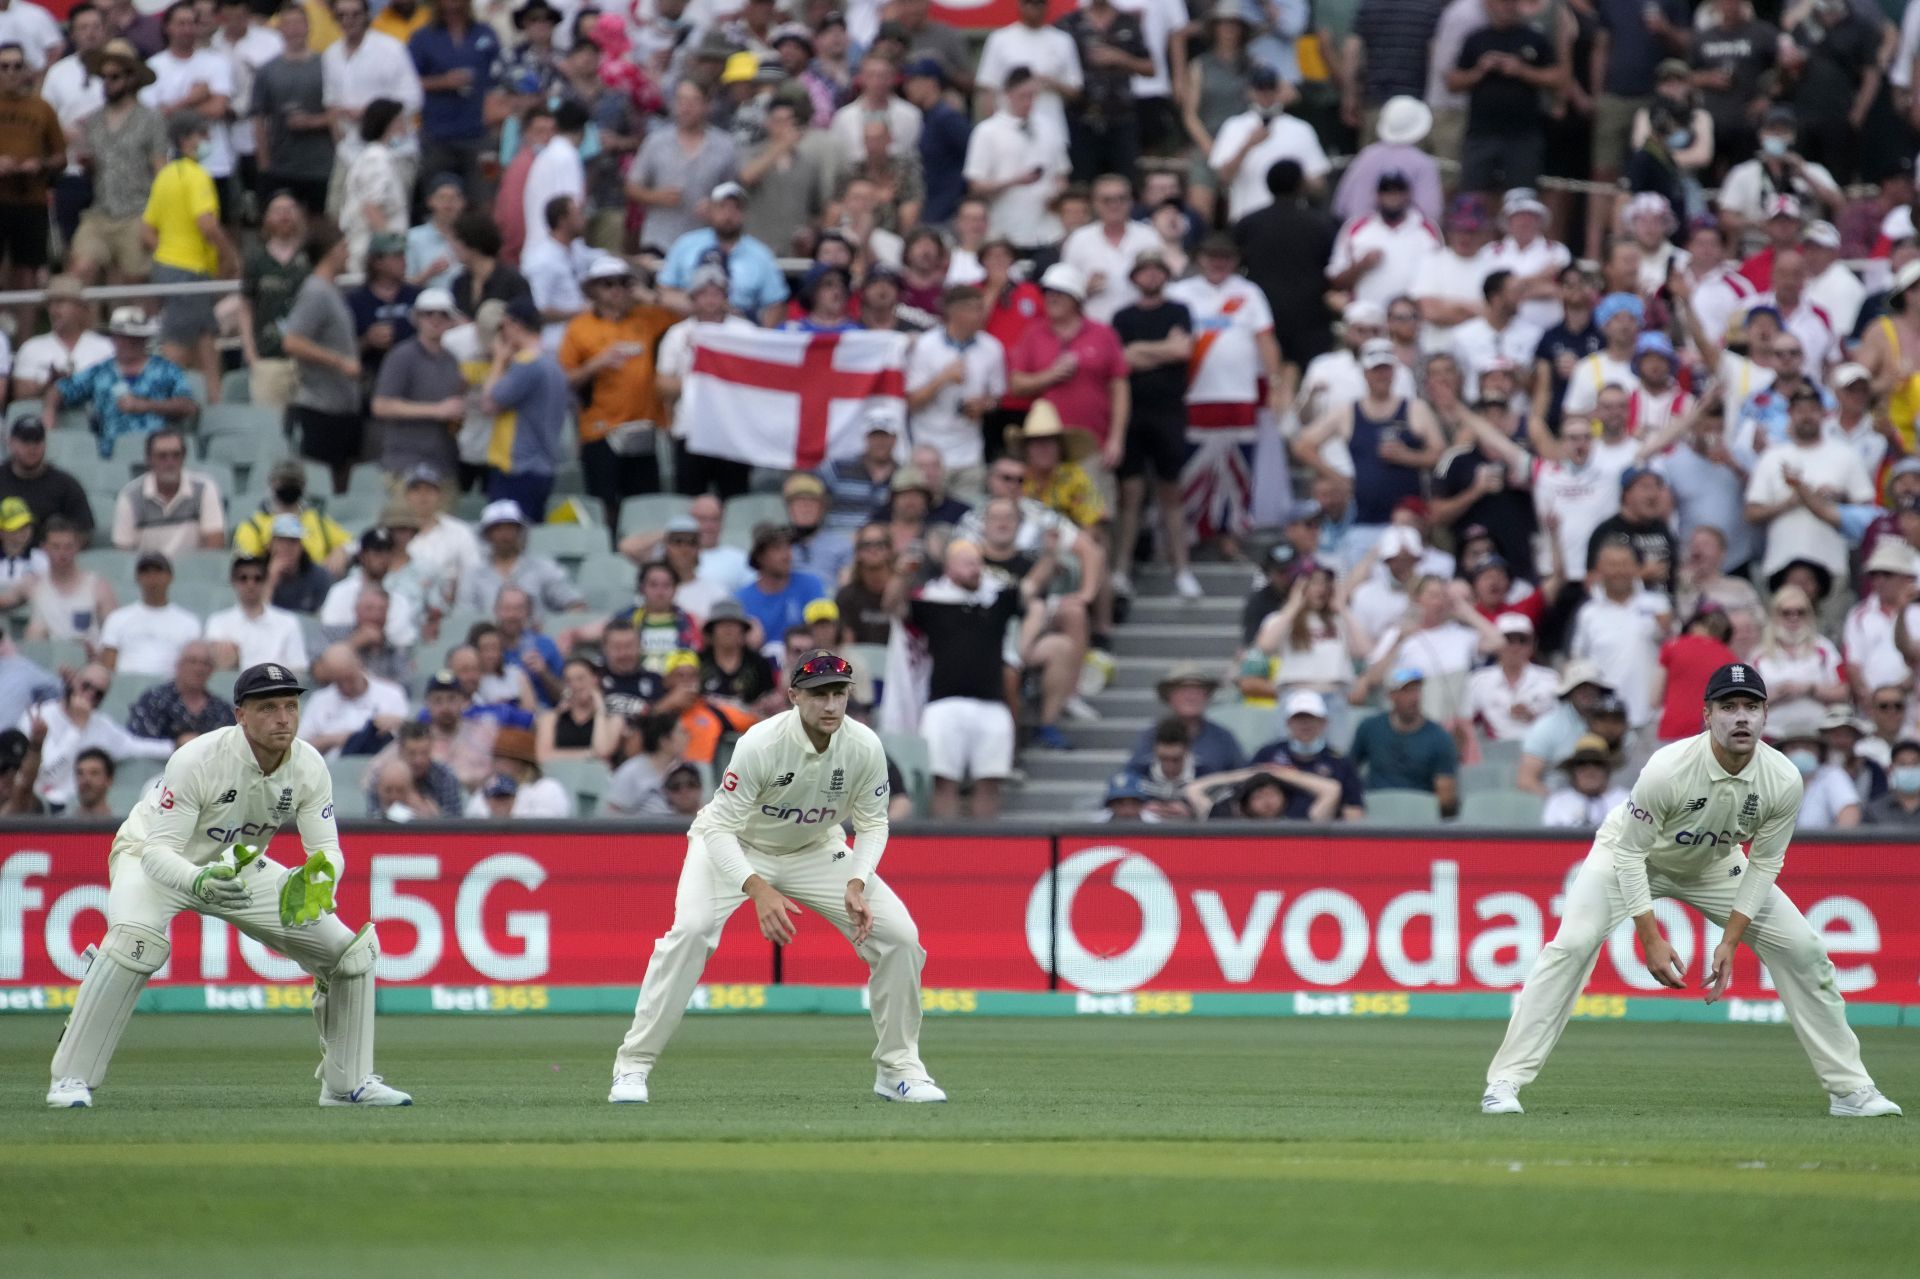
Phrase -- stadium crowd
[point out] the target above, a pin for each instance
(1536, 356)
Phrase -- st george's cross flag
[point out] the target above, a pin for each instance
(789, 400)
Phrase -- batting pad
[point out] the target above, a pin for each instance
(108, 992)
(343, 1007)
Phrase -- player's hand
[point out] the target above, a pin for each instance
(220, 886)
(1665, 965)
(859, 912)
(776, 916)
(1722, 974)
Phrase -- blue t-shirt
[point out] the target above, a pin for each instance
(755, 279)
(1633, 52)
(537, 392)
(1328, 763)
(460, 114)
(1215, 750)
(944, 134)
(1392, 760)
(777, 612)
(98, 389)
(549, 653)
(368, 310)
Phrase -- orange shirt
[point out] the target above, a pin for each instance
(705, 722)
(625, 392)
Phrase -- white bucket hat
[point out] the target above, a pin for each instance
(1404, 120)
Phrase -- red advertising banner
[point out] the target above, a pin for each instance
(1439, 915)
(1191, 913)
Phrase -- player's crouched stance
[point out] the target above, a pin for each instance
(197, 843)
(1678, 836)
(770, 832)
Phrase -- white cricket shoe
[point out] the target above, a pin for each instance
(1501, 1098)
(1187, 586)
(1121, 583)
(69, 1094)
(629, 1090)
(1868, 1103)
(915, 1090)
(373, 1091)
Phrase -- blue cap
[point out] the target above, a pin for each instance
(1652, 343)
(1126, 786)
(1632, 474)
(1263, 77)
(1614, 303)
(928, 67)
(1764, 309)
(500, 786)
(1403, 676)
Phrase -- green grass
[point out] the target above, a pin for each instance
(1072, 1148)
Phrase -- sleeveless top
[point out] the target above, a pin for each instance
(570, 734)
(1223, 89)
(1903, 406)
(69, 615)
(1378, 486)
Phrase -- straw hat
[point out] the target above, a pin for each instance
(1043, 423)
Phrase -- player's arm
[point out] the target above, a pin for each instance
(870, 793)
(1639, 832)
(1766, 855)
(175, 812)
(319, 833)
(734, 803)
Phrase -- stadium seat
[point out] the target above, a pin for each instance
(50, 655)
(649, 512)
(349, 774)
(1402, 808)
(1506, 753)
(201, 598)
(1503, 808)
(130, 781)
(68, 449)
(608, 579)
(1251, 726)
(123, 691)
(239, 418)
(909, 755)
(250, 454)
(869, 669)
(202, 568)
(586, 778)
(196, 385)
(569, 543)
(453, 630)
(1485, 775)
(235, 388)
(116, 566)
(747, 510)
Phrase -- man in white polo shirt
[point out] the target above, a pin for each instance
(352, 702)
(1260, 137)
(253, 631)
(1105, 248)
(955, 373)
(1377, 255)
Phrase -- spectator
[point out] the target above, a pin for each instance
(1053, 457)
(169, 510)
(431, 262)
(1552, 737)
(1442, 633)
(254, 630)
(1015, 161)
(1076, 365)
(1673, 146)
(790, 177)
(1248, 145)
(70, 602)
(1104, 251)
(1631, 42)
(1263, 794)
(944, 135)
(638, 788)
(1401, 749)
(1186, 691)
(1836, 61)
(676, 165)
(1047, 53)
(627, 686)
(455, 58)
(777, 597)
(554, 265)
(696, 473)
(69, 344)
(355, 712)
(1305, 749)
(382, 305)
(319, 336)
(420, 393)
(1508, 69)
(181, 226)
(182, 708)
(433, 790)
(147, 636)
(1869, 634)
(1620, 627)
(533, 795)
(857, 487)
(730, 670)
(270, 277)
(503, 527)
(131, 393)
(123, 144)
(92, 781)
(1591, 794)
(500, 685)
(1796, 492)
(1642, 521)
(1702, 580)
(1498, 333)
(1334, 379)
(608, 354)
(372, 570)
(1167, 770)
(74, 724)
(1900, 806)
(1841, 733)
(44, 489)
(862, 600)
(955, 374)
(1832, 286)
(1830, 801)
(1314, 636)
(1686, 662)
(529, 383)
(818, 550)
(1801, 666)
(394, 794)
(327, 544)
(294, 581)
(1750, 190)
(580, 726)
(292, 128)
(1386, 57)
(444, 549)
(75, 93)
(1404, 123)
(1391, 440)
(1504, 700)
(1732, 59)
(1157, 334)
(482, 277)
(1104, 130)
(1126, 799)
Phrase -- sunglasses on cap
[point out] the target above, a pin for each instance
(825, 664)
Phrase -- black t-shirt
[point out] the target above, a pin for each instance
(1837, 61)
(1508, 514)
(1501, 105)
(1294, 281)
(751, 682)
(1580, 344)
(1159, 395)
(863, 612)
(1263, 601)
(632, 694)
(965, 641)
(1747, 52)
(1010, 569)
(52, 492)
(1653, 539)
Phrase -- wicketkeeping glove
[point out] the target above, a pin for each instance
(219, 885)
(307, 892)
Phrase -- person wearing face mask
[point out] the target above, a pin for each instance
(326, 542)
(1841, 732)
(1900, 806)
(1778, 170)
(1377, 255)
(1672, 144)
(1830, 801)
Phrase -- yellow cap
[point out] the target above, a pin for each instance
(14, 515)
(822, 610)
(741, 67)
(680, 659)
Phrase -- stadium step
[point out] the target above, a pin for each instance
(1062, 800)
(1172, 641)
(1079, 765)
(1219, 580)
(1153, 610)
(1102, 735)
(1136, 671)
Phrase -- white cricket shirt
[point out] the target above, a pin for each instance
(1687, 816)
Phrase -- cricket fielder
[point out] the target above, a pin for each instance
(1679, 835)
(197, 842)
(772, 831)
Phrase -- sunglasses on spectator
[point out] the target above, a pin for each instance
(249, 577)
(1793, 612)
(872, 544)
(13, 64)
(1889, 706)
(95, 689)
(1015, 476)
(684, 539)
(684, 783)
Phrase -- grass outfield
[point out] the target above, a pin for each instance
(1075, 1148)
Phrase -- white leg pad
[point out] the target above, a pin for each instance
(343, 1007)
(130, 954)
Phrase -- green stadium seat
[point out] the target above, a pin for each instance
(747, 510)
(1503, 808)
(349, 791)
(130, 782)
(1402, 808)
(123, 692)
(909, 755)
(649, 512)
(571, 544)
(587, 779)
(1251, 726)
(235, 387)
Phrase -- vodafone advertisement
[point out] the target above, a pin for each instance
(527, 904)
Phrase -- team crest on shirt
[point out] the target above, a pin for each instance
(1750, 809)
(838, 781)
(286, 800)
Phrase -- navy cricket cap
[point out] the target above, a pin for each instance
(268, 679)
(1736, 679)
(817, 666)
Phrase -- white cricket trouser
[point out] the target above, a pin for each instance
(133, 898)
(818, 881)
(1779, 935)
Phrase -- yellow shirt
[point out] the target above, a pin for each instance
(320, 535)
(1071, 493)
(392, 24)
(626, 392)
(182, 192)
(322, 30)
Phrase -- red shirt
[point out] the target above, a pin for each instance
(509, 206)
(1532, 606)
(1012, 312)
(1759, 269)
(1085, 400)
(1689, 661)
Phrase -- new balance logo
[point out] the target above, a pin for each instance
(1732, 871)
(1694, 806)
(228, 798)
(839, 856)
(785, 779)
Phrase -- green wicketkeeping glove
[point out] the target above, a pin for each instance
(241, 856)
(307, 892)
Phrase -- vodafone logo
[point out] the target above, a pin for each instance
(1139, 963)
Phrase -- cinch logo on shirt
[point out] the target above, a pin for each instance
(1711, 837)
(1639, 814)
(801, 816)
(232, 834)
